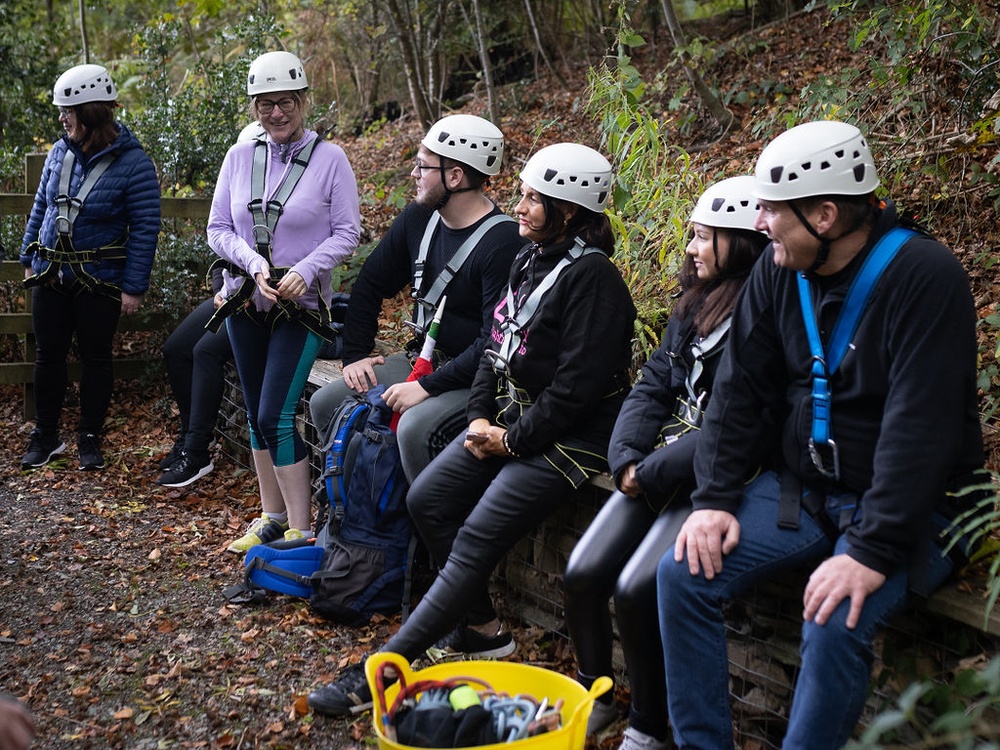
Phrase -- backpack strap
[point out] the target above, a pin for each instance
(426, 305)
(826, 361)
(512, 325)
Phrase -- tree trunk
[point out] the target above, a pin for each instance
(483, 46)
(726, 119)
(83, 31)
(538, 45)
(411, 64)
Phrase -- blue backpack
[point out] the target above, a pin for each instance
(357, 564)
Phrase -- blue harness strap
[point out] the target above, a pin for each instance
(825, 362)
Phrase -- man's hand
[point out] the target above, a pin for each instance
(491, 445)
(704, 538)
(627, 482)
(402, 396)
(360, 375)
(837, 578)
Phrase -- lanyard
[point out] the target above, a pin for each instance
(826, 362)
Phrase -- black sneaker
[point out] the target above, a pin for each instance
(464, 643)
(347, 695)
(89, 447)
(174, 456)
(41, 449)
(187, 469)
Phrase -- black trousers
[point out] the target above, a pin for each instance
(59, 316)
(469, 513)
(618, 555)
(196, 359)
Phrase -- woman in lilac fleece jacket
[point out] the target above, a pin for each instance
(282, 272)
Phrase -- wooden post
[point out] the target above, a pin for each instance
(33, 165)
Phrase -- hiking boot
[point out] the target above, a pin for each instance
(464, 643)
(174, 456)
(633, 739)
(88, 445)
(42, 447)
(601, 716)
(261, 531)
(185, 470)
(347, 695)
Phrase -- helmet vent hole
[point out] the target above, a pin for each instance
(859, 172)
(550, 174)
(776, 174)
(824, 165)
(839, 153)
(807, 166)
(718, 203)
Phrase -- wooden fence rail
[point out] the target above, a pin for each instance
(19, 323)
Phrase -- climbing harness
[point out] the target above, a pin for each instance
(64, 254)
(825, 362)
(427, 304)
(265, 219)
(513, 324)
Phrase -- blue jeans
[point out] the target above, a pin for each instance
(836, 662)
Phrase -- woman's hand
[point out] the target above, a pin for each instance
(292, 286)
(130, 303)
(265, 288)
(484, 439)
(628, 483)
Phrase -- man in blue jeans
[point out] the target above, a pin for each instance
(877, 427)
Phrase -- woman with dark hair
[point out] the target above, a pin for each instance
(543, 403)
(88, 252)
(650, 456)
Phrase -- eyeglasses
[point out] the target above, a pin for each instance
(286, 105)
(420, 167)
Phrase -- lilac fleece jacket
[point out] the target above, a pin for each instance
(318, 229)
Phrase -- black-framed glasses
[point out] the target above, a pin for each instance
(420, 166)
(286, 105)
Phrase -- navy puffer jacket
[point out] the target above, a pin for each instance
(124, 204)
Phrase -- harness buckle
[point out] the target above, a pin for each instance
(820, 464)
(64, 225)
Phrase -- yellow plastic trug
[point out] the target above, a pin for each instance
(503, 676)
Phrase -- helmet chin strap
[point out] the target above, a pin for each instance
(448, 192)
(823, 254)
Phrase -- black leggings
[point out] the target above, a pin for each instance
(469, 513)
(196, 359)
(618, 554)
(58, 316)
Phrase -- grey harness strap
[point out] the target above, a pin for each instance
(512, 325)
(265, 216)
(69, 207)
(701, 350)
(426, 305)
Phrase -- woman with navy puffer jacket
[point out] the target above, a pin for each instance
(88, 253)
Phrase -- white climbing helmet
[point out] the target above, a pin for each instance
(82, 84)
(276, 71)
(728, 204)
(816, 158)
(572, 172)
(467, 139)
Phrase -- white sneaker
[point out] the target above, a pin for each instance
(601, 716)
(633, 739)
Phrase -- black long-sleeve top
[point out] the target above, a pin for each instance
(472, 293)
(576, 351)
(904, 403)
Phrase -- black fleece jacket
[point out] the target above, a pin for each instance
(904, 403)
(576, 351)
